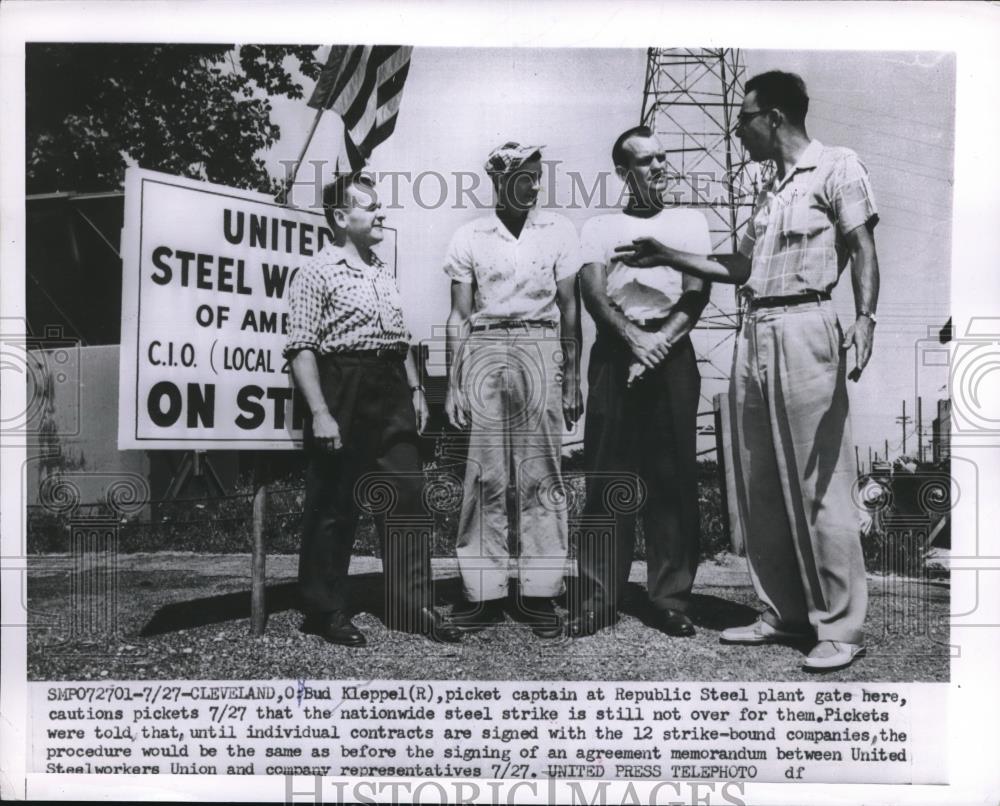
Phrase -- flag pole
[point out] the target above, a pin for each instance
(283, 196)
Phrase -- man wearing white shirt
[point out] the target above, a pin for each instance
(513, 338)
(642, 403)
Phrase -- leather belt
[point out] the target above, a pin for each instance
(380, 354)
(650, 322)
(753, 303)
(511, 324)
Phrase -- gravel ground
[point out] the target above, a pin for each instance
(186, 616)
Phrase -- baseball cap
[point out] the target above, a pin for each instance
(509, 157)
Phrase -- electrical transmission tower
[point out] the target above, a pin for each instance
(691, 99)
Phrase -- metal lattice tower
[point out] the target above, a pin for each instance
(691, 99)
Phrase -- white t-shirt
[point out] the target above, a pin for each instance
(644, 293)
(515, 278)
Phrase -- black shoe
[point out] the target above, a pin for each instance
(586, 623)
(673, 622)
(541, 615)
(334, 628)
(429, 623)
(476, 616)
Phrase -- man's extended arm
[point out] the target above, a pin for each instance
(865, 281)
(457, 331)
(648, 348)
(571, 334)
(648, 252)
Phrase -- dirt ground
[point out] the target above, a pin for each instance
(172, 615)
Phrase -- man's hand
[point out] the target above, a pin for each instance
(644, 253)
(420, 409)
(456, 407)
(572, 399)
(860, 335)
(648, 348)
(326, 432)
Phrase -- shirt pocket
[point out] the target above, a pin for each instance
(801, 220)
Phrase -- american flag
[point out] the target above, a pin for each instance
(364, 85)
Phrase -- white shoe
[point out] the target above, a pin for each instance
(760, 632)
(827, 656)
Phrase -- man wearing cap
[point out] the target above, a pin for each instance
(794, 464)
(348, 348)
(513, 338)
(642, 404)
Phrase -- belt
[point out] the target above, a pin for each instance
(380, 354)
(512, 324)
(753, 303)
(650, 322)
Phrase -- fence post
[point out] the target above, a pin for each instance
(258, 577)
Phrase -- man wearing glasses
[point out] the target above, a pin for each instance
(348, 349)
(793, 458)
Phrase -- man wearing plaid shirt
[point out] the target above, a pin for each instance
(793, 459)
(348, 347)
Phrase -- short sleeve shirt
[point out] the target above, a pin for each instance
(796, 236)
(337, 306)
(515, 278)
(643, 293)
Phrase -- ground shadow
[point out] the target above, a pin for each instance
(367, 594)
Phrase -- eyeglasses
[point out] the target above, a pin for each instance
(743, 118)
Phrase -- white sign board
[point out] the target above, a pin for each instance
(205, 273)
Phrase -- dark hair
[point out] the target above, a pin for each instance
(618, 154)
(784, 91)
(335, 192)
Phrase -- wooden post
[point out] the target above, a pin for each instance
(920, 429)
(258, 571)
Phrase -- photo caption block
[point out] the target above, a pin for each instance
(807, 732)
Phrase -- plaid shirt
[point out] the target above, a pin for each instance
(336, 306)
(795, 238)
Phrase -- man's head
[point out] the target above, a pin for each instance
(516, 172)
(774, 106)
(352, 209)
(641, 162)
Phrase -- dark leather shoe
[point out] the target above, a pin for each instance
(476, 616)
(540, 614)
(429, 623)
(334, 628)
(586, 623)
(675, 623)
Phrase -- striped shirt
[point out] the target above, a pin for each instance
(795, 238)
(337, 306)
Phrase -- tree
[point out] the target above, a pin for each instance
(201, 111)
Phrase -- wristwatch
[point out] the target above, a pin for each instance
(416, 388)
(869, 314)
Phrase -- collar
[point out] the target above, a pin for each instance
(807, 162)
(492, 223)
(338, 255)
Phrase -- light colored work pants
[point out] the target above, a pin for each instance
(512, 378)
(795, 470)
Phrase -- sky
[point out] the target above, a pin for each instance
(895, 109)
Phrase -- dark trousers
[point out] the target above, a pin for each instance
(377, 470)
(648, 431)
